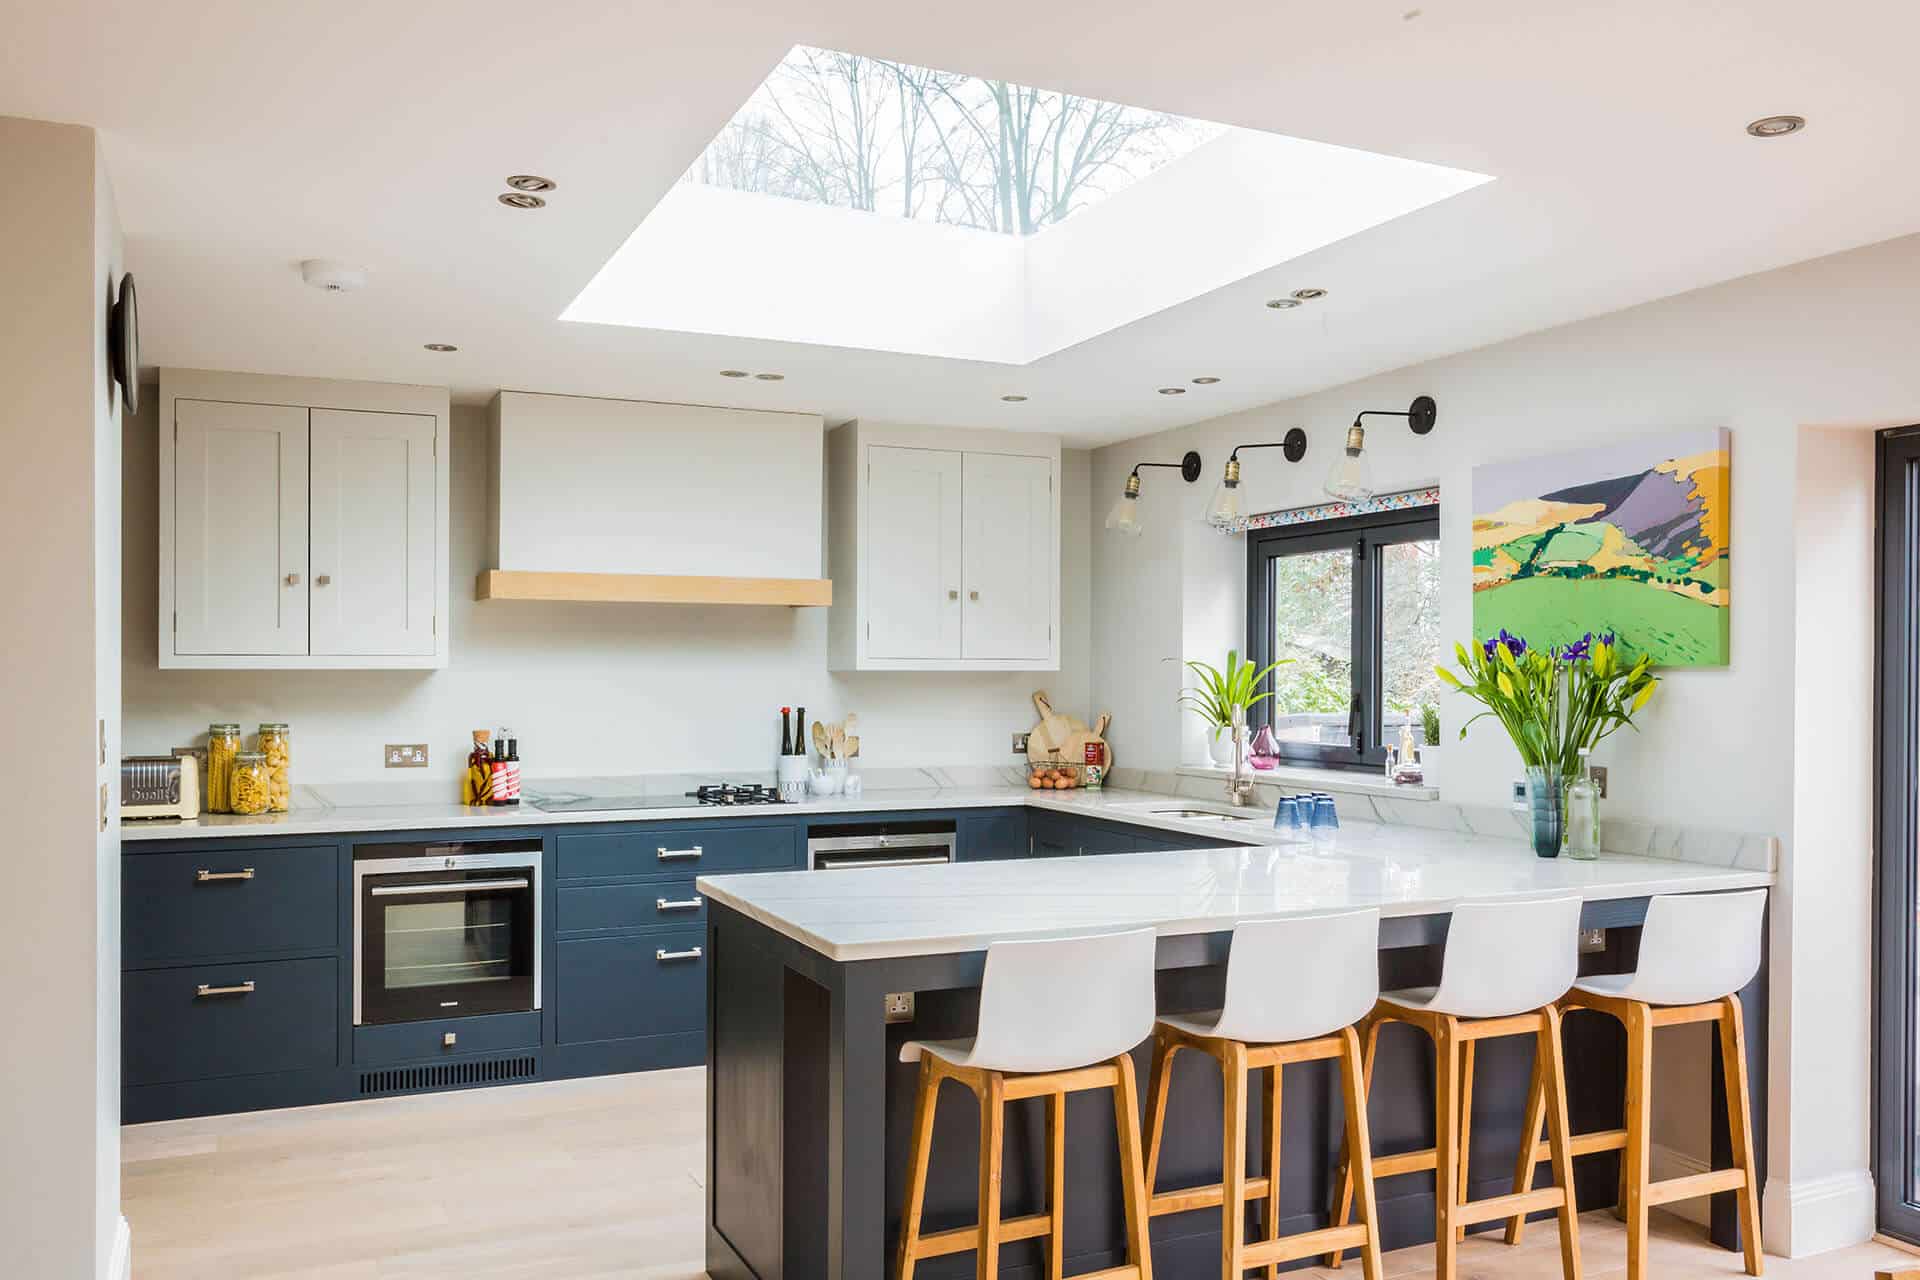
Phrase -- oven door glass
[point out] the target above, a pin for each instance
(446, 944)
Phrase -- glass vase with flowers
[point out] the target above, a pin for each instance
(1556, 705)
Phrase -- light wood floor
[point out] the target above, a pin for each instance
(579, 1179)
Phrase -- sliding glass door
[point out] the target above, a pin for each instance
(1897, 959)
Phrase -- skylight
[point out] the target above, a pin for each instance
(853, 202)
(861, 133)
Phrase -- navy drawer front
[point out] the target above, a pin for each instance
(413, 1041)
(677, 853)
(614, 908)
(614, 988)
(172, 1032)
(180, 907)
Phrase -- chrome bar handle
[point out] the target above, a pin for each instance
(444, 886)
(204, 876)
(669, 855)
(238, 989)
(685, 904)
(691, 953)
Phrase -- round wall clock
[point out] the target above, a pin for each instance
(123, 343)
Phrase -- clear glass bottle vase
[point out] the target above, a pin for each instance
(1583, 814)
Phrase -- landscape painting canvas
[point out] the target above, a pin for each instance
(1626, 538)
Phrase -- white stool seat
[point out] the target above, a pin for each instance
(1333, 959)
(1502, 959)
(1694, 948)
(1056, 1004)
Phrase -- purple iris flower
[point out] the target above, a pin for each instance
(1579, 650)
(1513, 643)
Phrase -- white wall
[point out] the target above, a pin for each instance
(591, 689)
(1825, 344)
(59, 921)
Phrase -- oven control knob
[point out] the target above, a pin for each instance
(447, 1040)
(451, 864)
(883, 842)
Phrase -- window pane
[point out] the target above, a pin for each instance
(1410, 634)
(1313, 626)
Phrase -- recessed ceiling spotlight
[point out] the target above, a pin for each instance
(531, 182)
(1173, 391)
(521, 200)
(1283, 304)
(771, 377)
(441, 347)
(733, 373)
(1204, 382)
(1309, 295)
(1014, 399)
(1776, 126)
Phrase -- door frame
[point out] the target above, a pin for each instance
(1896, 984)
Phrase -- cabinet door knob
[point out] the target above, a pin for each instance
(323, 580)
(953, 595)
(973, 595)
(293, 579)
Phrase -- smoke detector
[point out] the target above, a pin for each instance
(331, 276)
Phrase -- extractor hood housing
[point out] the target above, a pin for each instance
(639, 502)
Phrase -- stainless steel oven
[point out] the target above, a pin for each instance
(906, 843)
(445, 930)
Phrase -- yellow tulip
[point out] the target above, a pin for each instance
(1448, 676)
(1644, 696)
(1506, 656)
(1602, 659)
(1506, 685)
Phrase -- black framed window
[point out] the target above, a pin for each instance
(1355, 604)
(1896, 1123)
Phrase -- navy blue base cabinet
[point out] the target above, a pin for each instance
(237, 957)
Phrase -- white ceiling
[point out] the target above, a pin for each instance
(243, 137)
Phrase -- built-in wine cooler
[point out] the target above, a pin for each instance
(445, 930)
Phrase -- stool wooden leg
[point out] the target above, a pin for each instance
(1343, 1192)
(1560, 1141)
(1159, 1082)
(1446, 1146)
(1233, 1158)
(1529, 1138)
(993, 1133)
(1466, 1126)
(920, 1148)
(1636, 1160)
(1271, 1133)
(1056, 1185)
(1133, 1172)
(1733, 1065)
(1360, 1142)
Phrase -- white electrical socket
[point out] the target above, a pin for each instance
(406, 755)
(899, 1006)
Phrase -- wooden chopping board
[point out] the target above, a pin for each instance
(1075, 747)
(1047, 742)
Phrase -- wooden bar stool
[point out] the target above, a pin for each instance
(1266, 1022)
(1057, 1016)
(1505, 967)
(1697, 952)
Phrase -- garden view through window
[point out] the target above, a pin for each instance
(1352, 607)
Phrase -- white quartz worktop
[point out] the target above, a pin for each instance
(885, 913)
(313, 816)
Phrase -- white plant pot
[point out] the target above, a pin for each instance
(1220, 746)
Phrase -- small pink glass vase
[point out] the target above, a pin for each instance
(1265, 752)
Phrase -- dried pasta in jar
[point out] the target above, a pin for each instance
(247, 790)
(275, 745)
(223, 743)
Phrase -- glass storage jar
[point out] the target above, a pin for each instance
(275, 745)
(247, 790)
(223, 743)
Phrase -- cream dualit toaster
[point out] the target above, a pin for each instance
(159, 787)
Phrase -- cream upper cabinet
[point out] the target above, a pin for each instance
(944, 548)
(303, 523)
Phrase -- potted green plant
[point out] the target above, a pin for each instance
(1554, 704)
(1222, 699)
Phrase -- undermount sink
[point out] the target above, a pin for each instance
(1199, 813)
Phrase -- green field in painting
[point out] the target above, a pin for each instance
(1678, 632)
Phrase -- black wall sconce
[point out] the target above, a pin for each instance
(1125, 515)
(1225, 508)
(1350, 478)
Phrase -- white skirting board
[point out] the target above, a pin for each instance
(1666, 1162)
(1817, 1215)
(120, 1265)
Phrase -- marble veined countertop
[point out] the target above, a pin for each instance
(312, 814)
(885, 913)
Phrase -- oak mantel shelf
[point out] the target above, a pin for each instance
(650, 588)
